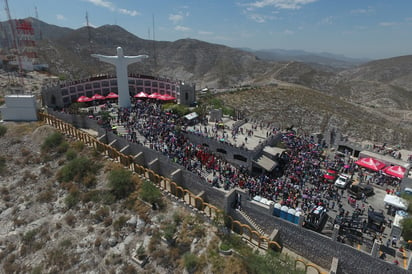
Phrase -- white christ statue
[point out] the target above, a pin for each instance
(121, 62)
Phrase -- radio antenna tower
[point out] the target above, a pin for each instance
(38, 23)
(154, 42)
(15, 43)
(88, 27)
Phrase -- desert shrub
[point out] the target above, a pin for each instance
(79, 169)
(11, 265)
(71, 200)
(46, 196)
(121, 182)
(29, 237)
(2, 164)
(25, 152)
(52, 141)
(37, 270)
(101, 214)
(70, 220)
(177, 218)
(66, 243)
(150, 193)
(62, 148)
(70, 154)
(89, 180)
(78, 146)
(169, 231)
(107, 221)
(58, 259)
(190, 261)
(3, 130)
(129, 269)
(120, 222)
(46, 170)
(99, 196)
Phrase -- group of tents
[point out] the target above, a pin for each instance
(112, 95)
(376, 165)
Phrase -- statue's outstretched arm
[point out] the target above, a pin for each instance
(108, 59)
(133, 59)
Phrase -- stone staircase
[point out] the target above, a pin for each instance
(253, 224)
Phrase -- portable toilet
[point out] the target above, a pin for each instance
(297, 216)
(276, 210)
(284, 212)
(291, 215)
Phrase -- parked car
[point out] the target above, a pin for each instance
(343, 180)
(316, 219)
(356, 190)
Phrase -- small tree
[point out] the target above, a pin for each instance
(407, 228)
(191, 262)
(150, 193)
(52, 142)
(2, 164)
(3, 130)
(121, 182)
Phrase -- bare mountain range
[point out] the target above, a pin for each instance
(381, 90)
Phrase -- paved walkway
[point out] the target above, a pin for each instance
(250, 134)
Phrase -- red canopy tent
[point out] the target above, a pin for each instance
(154, 95)
(141, 95)
(396, 171)
(112, 95)
(83, 99)
(370, 163)
(166, 97)
(98, 97)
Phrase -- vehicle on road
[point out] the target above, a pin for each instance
(316, 219)
(343, 180)
(356, 190)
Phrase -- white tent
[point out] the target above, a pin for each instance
(396, 202)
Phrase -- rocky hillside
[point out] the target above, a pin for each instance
(64, 209)
(311, 111)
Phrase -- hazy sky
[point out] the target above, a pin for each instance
(356, 28)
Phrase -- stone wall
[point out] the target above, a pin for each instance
(162, 166)
(311, 245)
(314, 246)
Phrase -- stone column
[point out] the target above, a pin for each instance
(375, 248)
(335, 232)
(409, 264)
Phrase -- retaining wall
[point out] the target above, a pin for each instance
(317, 247)
(164, 166)
(311, 245)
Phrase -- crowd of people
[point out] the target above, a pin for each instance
(296, 182)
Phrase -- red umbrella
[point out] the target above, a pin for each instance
(141, 95)
(112, 95)
(397, 171)
(98, 97)
(330, 175)
(83, 99)
(370, 163)
(166, 97)
(154, 95)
